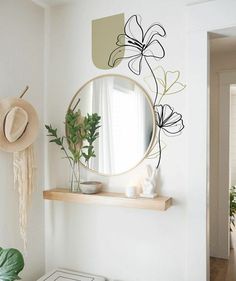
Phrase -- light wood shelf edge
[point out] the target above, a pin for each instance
(159, 203)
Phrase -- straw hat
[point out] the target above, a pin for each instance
(19, 124)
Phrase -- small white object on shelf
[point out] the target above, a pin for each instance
(149, 183)
(90, 187)
(130, 192)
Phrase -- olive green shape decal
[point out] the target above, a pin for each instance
(104, 36)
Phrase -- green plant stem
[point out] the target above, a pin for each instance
(68, 157)
(73, 169)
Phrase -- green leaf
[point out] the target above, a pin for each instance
(79, 129)
(11, 264)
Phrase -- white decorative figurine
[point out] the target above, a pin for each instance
(149, 183)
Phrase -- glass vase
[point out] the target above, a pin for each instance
(75, 178)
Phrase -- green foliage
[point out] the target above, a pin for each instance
(11, 263)
(79, 130)
(232, 206)
(75, 133)
(91, 125)
(53, 133)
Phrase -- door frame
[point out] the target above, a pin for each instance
(202, 19)
(226, 79)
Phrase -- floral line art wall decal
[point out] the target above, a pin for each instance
(168, 85)
(168, 82)
(168, 121)
(138, 47)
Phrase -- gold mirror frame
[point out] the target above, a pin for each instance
(151, 145)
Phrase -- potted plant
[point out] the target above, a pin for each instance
(232, 210)
(81, 132)
(11, 264)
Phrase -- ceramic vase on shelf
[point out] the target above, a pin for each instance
(75, 178)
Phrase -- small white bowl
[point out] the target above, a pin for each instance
(90, 187)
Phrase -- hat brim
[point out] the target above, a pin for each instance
(31, 131)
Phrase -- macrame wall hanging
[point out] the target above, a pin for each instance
(19, 125)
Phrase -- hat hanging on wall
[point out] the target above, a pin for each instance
(19, 126)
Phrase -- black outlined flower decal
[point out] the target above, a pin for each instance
(168, 121)
(138, 44)
(142, 46)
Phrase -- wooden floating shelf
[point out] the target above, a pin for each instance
(108, 198)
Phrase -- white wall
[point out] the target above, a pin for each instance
(220, 63)
(21, 64)
(233, 134)
(126, 244)
(131, 244)
(120, 243)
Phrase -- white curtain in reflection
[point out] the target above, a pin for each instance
(104, 146)
(124, 135)
(129, 122)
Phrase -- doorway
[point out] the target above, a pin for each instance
(202, 18)
(221, 150)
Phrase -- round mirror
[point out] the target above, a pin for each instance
(127, 124)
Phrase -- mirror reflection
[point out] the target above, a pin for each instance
(127, 122)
